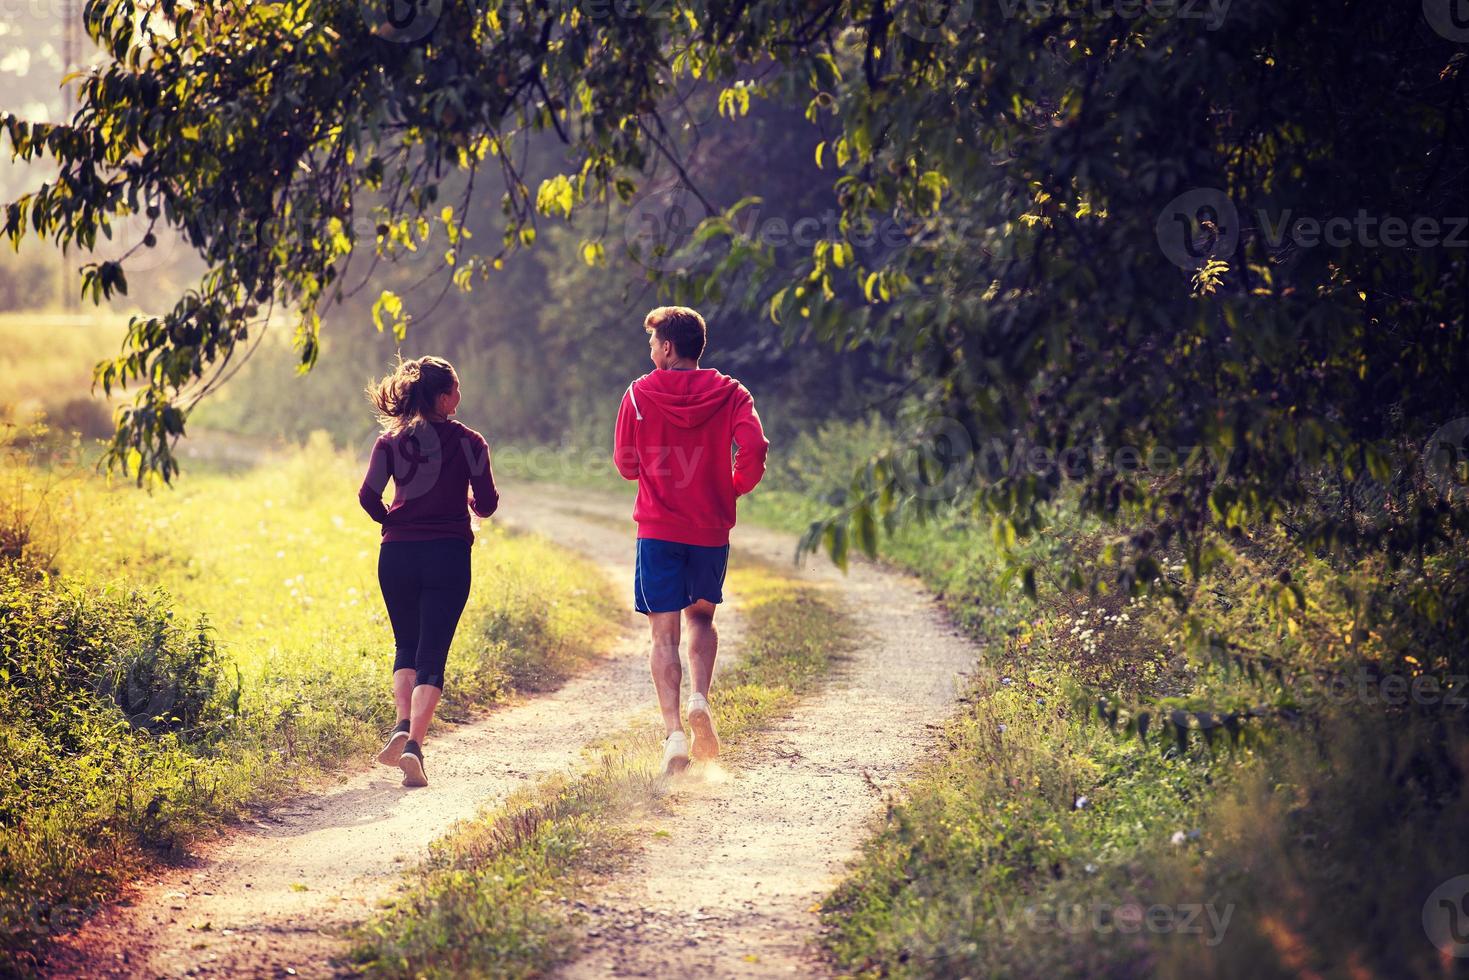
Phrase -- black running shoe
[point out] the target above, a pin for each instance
(394, 747)
(411, 762)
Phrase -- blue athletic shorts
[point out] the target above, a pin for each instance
(669, 576)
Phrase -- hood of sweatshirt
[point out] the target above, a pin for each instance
(688, 399)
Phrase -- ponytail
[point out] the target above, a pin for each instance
(408, 395)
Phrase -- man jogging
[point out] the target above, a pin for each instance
(674, 432)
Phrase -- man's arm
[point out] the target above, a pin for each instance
(751, 445)
(624, 438)
(370, 494)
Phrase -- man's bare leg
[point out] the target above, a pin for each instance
(667, 672)
(703, 648)
(703, 644)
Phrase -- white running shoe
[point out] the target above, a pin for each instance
(706, 740)
(675, 754)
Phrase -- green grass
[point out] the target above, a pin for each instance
(1028, 806)
(1038, 843)
(493, 898)
(222, 641)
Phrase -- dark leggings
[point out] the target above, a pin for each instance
(425, 585)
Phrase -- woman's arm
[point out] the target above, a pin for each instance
(485, 498)
(370, 494)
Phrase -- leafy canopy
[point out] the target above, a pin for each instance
(1077, 230)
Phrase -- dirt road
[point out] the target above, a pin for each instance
(729, 889)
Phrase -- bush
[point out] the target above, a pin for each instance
(101, 693)
(65, 644)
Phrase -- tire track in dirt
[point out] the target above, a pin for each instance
(727, 884)
(275, 894)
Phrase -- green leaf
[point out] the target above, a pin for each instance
(390, 303)
(866, 530)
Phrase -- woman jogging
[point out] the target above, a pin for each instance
(423, 566)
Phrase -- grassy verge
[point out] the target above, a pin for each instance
(1327, 841)
(491, 900)
(1027, 825)
(1040, 843)
(170, 658)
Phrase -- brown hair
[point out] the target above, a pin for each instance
(681, 326)
(409, 393)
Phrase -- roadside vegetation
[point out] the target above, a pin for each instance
(1259, 771)
(171, 658)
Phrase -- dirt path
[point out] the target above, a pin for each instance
(728, 888)
(274, 895)
(729, 884)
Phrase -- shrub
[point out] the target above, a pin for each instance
(101, 693)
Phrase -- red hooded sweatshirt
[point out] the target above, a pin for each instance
(674, 433)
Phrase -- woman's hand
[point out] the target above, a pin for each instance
(474, 519)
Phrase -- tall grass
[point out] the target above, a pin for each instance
(1040, 842)
(175, 656)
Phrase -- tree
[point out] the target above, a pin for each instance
(1074, 231)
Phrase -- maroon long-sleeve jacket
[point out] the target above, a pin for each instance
(433, 465)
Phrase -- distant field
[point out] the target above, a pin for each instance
(46, 368)
(46, 358)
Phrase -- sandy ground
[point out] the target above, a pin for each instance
(728, 884)
(726, 887)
